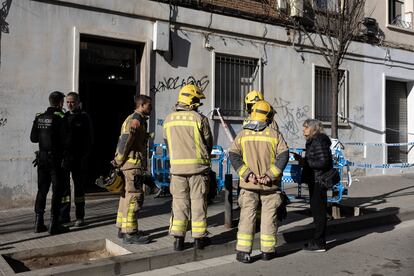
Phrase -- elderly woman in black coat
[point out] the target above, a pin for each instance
(317, 160)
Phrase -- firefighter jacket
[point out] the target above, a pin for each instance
(132, 143)
(50, 131)
(80, 133)
(189, 139)
(260, 151)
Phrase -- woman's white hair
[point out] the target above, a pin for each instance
(314, 125)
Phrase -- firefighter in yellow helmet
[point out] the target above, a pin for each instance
(190, 142)
(251, 98)
(131, 158)
(259, 155)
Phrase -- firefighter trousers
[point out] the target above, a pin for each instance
(130, 203)
(189, 194)
(79, 177)
(249, 202)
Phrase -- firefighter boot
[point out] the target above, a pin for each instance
(243, 257)
(40, 224)
(267, 256)
(178, 243)
(55, 227)
(200, 243)
(136, 238)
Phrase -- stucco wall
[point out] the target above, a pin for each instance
(40, 54)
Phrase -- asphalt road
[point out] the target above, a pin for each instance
(387, 250)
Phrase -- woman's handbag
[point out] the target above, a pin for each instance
(330, 178)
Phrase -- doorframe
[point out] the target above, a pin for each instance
(410, 113)
(145, 60)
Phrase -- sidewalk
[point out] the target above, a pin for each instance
(377, 196)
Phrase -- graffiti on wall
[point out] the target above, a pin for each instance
(3, 117)
(4, 26)
(173, 83)
(290, 117)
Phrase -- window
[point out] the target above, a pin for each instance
(398, 16)
(234, 78)
(327, 5)
(323, 97)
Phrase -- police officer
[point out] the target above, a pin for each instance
(190, 142)
(259, 154)
(131, 158)
(49, 130)
(76, 159)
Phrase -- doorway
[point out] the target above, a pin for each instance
(109, 74)
(396, 120)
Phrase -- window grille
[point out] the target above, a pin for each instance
(234, 78)
(323, 96)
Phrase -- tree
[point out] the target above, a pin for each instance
(328, 26)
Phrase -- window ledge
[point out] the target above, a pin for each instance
(400, 29)
(340, 125)
(228, 118)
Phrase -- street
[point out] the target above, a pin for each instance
(387, 250)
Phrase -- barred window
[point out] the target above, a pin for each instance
(234, 78)
(323, 96)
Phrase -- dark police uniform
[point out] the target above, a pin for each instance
(49, 131)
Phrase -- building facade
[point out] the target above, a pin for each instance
(109, 51)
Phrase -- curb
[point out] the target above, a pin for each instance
(287, 241)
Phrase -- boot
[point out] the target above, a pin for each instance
(200, 243)
(267, 256)
(40, 224)
(136, 238)
(178, 243)
(56, 228)
(120, 234)
(243, 257)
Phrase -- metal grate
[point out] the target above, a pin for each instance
(235, 77)
(323, 97)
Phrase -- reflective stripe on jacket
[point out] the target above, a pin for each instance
(138, 153)
(257, 152)
(189, 142)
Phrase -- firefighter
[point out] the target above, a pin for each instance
(189, 139)
(259, 155)
(76, 160)
(131, 159)
(49, 130)
(251, 98)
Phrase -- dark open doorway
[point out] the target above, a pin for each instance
(396, 120)
(109, 75)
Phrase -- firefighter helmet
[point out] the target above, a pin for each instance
(262, 111)
(251, 98)
(113, 183)
(191, 95)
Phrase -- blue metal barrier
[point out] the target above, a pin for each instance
(293, 171)
(160, 170)
(160, 165)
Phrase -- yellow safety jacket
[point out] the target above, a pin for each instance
(257, 152)
(189, 141)
(137, 156)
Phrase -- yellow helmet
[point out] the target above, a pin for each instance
(262, 111)
(113, 183)
(191, 95)
(251, 98)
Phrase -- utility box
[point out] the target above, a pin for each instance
(161, 36)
